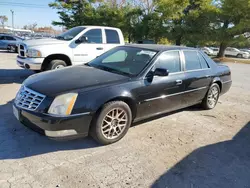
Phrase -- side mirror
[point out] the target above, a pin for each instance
(157, 72)
(82, 39)
(161, 72)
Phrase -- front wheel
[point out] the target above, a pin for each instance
(56, 64)
(112, 123)
(240, 56)
(212, 97)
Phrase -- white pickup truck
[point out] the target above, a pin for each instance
(76, 46)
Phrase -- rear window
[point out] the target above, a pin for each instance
(112, 36)
(203, 62)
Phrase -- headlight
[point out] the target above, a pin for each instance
(33, 53)
(63, 104)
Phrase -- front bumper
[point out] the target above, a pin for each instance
(56, 127)
(30, 63)
(246, 56)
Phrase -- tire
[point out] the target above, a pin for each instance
(239, 56)
(36, 71)
(56, 64)
(212, 97)
(103, 128)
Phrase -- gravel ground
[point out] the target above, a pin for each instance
(188, 148)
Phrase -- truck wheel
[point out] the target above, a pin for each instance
(56, 64)
(112, 123)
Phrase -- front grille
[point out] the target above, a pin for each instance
(28, 99)
(22, 50)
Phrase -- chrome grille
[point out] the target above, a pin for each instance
(22, 50)
(28, 99)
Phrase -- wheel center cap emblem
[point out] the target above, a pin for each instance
(114, 123)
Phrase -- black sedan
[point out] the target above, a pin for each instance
(124, 85)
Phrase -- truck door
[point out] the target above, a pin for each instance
(93, 47)
(113, 39)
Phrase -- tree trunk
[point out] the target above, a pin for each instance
(223, 47)
(178, 41)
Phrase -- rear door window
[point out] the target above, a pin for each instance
(192, 60)
(112, 36)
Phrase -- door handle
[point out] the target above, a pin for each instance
(178, 82)
(99, 48)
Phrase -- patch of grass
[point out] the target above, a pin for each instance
(231, 60)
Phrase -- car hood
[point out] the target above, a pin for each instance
(39, 42)
(244, 52)
(82, 78)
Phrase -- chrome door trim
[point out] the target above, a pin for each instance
(226, 82)
(165, 96)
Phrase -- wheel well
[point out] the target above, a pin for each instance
(128, 101)
(49, 58)
(220, 84)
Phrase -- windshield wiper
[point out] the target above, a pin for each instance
(109, 69)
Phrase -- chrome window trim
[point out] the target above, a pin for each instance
(197, 70)
(165, 96)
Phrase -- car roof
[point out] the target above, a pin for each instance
(157, 47)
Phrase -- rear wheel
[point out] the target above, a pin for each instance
(112, 123)
(56, 64)
(212, 97)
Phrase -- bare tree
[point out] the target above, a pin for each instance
(3, 19)
(33, 26)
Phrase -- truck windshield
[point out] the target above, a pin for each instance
(70, 34)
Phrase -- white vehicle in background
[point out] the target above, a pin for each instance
(215, 50)
(234, 52)
(76, 46)
(245, 50)
(207, 51)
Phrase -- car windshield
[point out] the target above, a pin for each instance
(70, 34)
(129, 61)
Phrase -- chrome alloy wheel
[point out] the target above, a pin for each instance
(213, 96)
(114, 123)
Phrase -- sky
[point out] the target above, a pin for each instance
(25, 14)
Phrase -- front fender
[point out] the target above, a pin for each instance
(91, 101)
